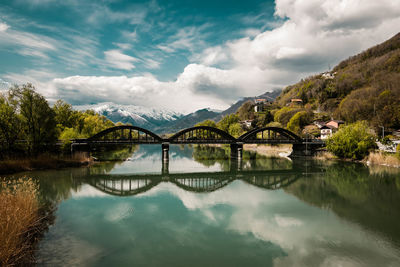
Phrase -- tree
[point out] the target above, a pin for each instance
(246, 111)
(298, 121)
(209, 123)
(226, 122)
(235, 130)
(353, 141)
(37, 117)
(64, 114)
(10, 122)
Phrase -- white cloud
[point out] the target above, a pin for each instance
(102, 14)
(3, 27)
(310, 36)
(118, 60)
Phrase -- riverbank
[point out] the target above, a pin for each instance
(270, 150)
(10, 166)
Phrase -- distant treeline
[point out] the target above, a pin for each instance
(29, 126)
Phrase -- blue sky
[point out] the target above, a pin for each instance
(181, 55)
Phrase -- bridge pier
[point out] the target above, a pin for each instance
(237, 155)
(165, 152)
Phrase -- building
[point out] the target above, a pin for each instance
(327, 131)
(296, 101)
(328, 128)
(246, 124)
(335, 123)
(260, 104)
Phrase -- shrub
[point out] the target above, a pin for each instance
(352, 141)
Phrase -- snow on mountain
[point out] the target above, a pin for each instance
(149, 118)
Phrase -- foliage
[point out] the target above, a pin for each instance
(312, 130)
(262, 119)
(363, 87)
(235, 130)
(38, 119)
(274, 124)
(227, 121)
(10, 121)
(352, 141)
(246, 111)
(209, 123)
(26, 115)
(298, 121)
(285, 114)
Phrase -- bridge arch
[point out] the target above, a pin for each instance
(270, 135)
(202, 134)
(127, 133)
(124, 186)
(202, 185)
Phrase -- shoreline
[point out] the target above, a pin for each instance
(12, 166)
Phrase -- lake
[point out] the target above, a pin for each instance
(207, 210)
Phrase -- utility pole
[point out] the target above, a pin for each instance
(383, 131)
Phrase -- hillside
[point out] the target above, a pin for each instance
(363, 87)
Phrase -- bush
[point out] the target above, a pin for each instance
(352, 141)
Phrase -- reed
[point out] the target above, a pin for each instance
(19, 219)
(379, 158)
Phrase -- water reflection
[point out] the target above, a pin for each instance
(274, 212)
(128, 185)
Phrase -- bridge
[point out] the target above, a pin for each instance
(129, 185)
(127, 134)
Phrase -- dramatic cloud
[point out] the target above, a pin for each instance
(305, 37)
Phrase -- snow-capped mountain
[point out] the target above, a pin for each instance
(149, 118)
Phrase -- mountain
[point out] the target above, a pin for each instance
(163, 121)
(189, 120)
(149, 118)
(270, 96)
(363, 87)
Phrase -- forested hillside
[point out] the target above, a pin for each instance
(363, 87)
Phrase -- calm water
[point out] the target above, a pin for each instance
(274, 212)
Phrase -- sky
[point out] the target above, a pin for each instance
(181, 55)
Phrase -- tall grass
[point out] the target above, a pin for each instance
(378, 158)
(19, 217)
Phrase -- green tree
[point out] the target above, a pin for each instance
(209, 123)
(284, 115)
(353, 141)
(37, 117)
(235, 130)
(226, 122)
(10, 122)
(298, 121)
(64, 114)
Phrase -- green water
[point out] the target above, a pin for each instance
(204, 212)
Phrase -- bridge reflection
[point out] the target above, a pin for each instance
(129, 185)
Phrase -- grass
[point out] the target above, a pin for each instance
(42, 162)
(379, 158)
(19, 219)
